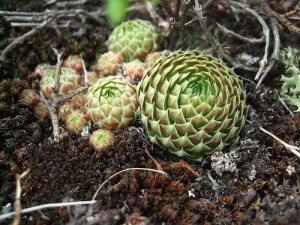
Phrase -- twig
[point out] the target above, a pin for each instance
(285, 106)
(275, 54)
(46, 206)
(292, 28)
(294, 149)
(53, 115)
(158, 19)
(240, 37)
(18, 208)
(266, 32)
(167, 7)
(182, 14)
(63, 100)
(22, 38)
(58, 70)
(126, 170)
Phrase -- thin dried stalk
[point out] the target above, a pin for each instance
(276, 51)
(293, 149)
(22, 38)
(46, 206)
(18, 207)
(281, 18)
(240, 37)
(126, 170)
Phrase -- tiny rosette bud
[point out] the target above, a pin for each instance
(109, 63)
(134, 71)
(74, 62)
(41, 69)
(41, 111)
(111, 103)
(92, 77)
(65, 110)
(75, 122)
(78, 101)
(29, 97)
(101, 139)
(152, 57)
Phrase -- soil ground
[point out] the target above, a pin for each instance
(257, 182)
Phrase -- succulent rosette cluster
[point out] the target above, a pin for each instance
(69, 81)
(135, 39)
(191, 104)
(111, 103)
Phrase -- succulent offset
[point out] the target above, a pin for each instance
(191, 104)
(101, 139)
(134, 39)
(75, 122)
(69, 81)
(29, 97)
(111, 103)
(290, 88)
(152, 57)
(74, 62)
(134, 70)
(41, 111)
(109, 63)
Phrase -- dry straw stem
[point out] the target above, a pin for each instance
(46, 206)
(281, 18)
(284, 104)
(240, 37)
(266, 33)
(126, 170)
(18, 207)
(22, 38)
(293, 149)
(276, 51)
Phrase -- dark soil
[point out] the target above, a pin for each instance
(257, 182)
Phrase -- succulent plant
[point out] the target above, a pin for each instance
(29, 97)
(111, 103)
(74, 62)
(76, 121)
(191, 104)
(65, 110)
(41, 69)
(134, 70)
(152, 57)
(134, 39)
(92, 77)
(78, 101)
(101, 139)
(109, 63)
(69, 81)
(41, 111)
(290, 89)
